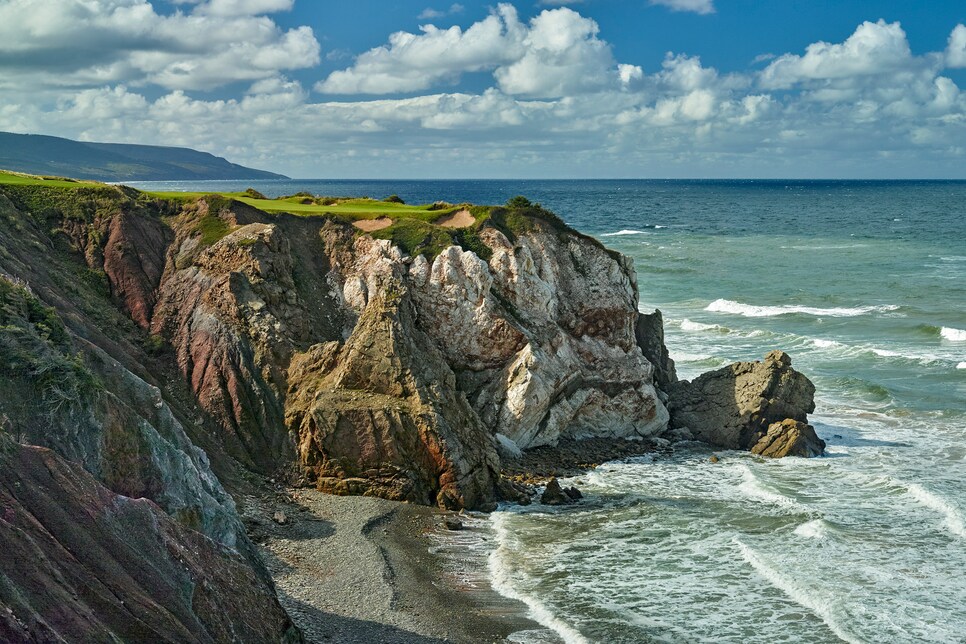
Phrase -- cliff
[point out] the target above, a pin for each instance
(173, 351)
(167, 349)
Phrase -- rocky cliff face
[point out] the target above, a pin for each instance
(83, 563)
(308, 350)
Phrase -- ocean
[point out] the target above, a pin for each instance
(864, 285)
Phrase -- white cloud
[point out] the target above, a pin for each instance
(558, 102)
(45, 43)
(412, 62)
(429, 13)
(558, 53)
(875, 48)
(956, 51)
(561, 56)
(697, 6)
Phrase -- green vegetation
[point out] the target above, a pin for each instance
(519, 202)
(414, 228)
(18, 179)
(35, 349)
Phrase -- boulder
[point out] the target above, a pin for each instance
(733, 407)
(554, 494)
(452, 523)
(789, 438)
(573, 493)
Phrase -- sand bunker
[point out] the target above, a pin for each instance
(370, 225)
(460, 219)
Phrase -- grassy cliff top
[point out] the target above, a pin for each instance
(417, 229)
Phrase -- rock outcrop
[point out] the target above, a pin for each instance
(649, 332)
(737, 406)
(789, 438)
(81, 563)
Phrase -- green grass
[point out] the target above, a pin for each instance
(19, 179)
(413, 228)
(357, 208)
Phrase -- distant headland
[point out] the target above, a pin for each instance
(51, 155)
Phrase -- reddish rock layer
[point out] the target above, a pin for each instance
(81, 563)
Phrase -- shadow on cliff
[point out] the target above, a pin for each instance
(319, 626)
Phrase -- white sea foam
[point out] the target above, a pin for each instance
(624, 232)
(688, 325)
(814, 529)
(806, 597)
(826, 344)
(961, 365)
(953, 518)
(501, 574)
(753, 311)
(753, 488)
(953, 335)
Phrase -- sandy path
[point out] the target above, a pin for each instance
(370, 225)
(460, 219)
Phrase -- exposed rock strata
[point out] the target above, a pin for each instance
(81, 563)
(737, 406)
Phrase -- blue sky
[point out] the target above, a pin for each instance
(415, 89)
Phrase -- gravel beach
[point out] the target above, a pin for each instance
(361, 569)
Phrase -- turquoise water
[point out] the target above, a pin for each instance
(864, 285)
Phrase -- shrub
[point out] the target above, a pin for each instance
(254, 194)
(518, 202)
(394, 199)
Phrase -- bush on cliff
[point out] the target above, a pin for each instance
(35, 351)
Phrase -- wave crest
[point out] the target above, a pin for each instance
(753, 311)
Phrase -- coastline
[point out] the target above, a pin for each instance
(364, 569)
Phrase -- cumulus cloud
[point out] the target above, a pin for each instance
(697, 6)
(412, 62)
(77, 43)
(558, 101)
(875, 48)
(556, 54)
(956, 50)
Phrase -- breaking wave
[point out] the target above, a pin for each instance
(753, 311)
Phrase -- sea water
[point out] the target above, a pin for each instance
(864, 285)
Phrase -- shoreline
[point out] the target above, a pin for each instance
(359, 569)
(363, 569)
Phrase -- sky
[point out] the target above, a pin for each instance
(536, 89)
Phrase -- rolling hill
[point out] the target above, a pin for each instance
(51, 155)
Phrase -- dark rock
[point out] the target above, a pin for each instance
(649, 332)
(280, 518)
(573, 493)
(554, 495)
(789, 438)
(733, 407)
(452, 523)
